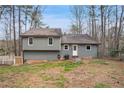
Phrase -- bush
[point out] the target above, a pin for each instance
(66, 57)
(122, 50)
(58, 56)
(113, 52)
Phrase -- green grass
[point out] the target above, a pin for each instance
(113, 77)
(47, 77)
(67, 65)
(101, 85)
(36, 69)
(100, 62)
(61, 81)
(3, 78)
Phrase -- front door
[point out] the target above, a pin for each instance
(75, 50)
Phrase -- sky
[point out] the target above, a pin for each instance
(57, 16)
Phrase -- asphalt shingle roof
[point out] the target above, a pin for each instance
(78, 39)
(66, 39)
(42, 32)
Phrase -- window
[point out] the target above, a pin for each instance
(75, 48)
(88, 47)
(30, 41)
(50, 41)
(66, 47)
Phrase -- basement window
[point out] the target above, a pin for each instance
(88, 47)
(30, 41)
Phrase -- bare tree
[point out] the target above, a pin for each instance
(92, 18)
(27, 10)
(121, 21)
(109, 12)
(13, 9)
(10, 20)
(77, 19)
(19, 21)
(116, 26)
(102, 30)
(36, 17)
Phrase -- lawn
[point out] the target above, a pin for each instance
(97, 73)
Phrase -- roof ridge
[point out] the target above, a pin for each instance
(42, 32)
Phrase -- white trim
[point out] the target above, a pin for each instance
(88, 49)
(52, 41)
(32, 41)
(64, 47)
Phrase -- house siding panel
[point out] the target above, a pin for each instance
(29, 55)
(47, 55)
(66, 52)
(82, 52)
(41, 44)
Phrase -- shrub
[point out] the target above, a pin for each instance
(122, 50)
(113, 52)
(66, 57)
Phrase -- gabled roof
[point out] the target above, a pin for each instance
(78, 39)
(56, 32)
(42, 32)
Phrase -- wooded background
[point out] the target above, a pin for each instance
(104, 23)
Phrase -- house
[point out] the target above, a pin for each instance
(48, 43)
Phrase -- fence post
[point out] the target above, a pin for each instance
(14, 60)
(3, 60)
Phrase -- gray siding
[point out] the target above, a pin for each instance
(64, 52)
(82, 52)
(41, 44)
(40, 55)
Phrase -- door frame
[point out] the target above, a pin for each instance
(74, 51)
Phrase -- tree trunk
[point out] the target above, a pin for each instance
(77, 21)
(116, 30)
(10, 29)
(19, 20)
(102, 31)
(26, 19)
(93, 19)
(10, 16)
(120, 26)
(109, 39)
(14, 31)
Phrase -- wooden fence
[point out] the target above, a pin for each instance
(11, 60)
(18, 60)
(7, 60)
